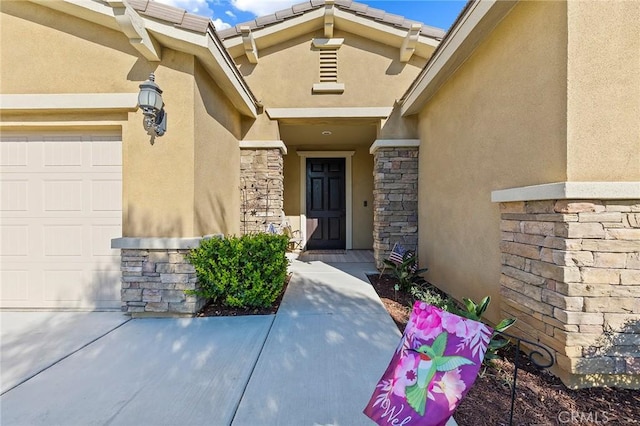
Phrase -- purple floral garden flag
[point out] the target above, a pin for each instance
(433, 368)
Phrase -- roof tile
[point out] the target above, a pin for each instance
(396, 20)
(286, 13)
(252, 24)
(344, 3)
(165, 12)
(348, 5)
(263, 21)
(301, 7)
(195, 23)
(229, 32)
(358, 8)
(377, 14)
(139, 5)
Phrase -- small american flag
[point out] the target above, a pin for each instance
(397, 253)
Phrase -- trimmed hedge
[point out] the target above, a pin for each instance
(247, 271)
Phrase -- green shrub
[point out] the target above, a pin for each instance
(247, 271)
(429, 294)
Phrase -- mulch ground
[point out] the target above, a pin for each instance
(217, 309)
(541, 398)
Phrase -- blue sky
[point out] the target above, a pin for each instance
(226, 13)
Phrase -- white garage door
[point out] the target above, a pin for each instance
(60, 205)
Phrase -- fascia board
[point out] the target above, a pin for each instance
(91, 11)
(314, 113)
(279, 32)
(479, 20)
(206, 50)
(376, 31)
(345, 21)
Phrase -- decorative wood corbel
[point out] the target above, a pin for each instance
(409, 43)
(133, 27)
(329, 15)
(249, 44)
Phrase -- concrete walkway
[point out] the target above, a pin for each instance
(314, 363)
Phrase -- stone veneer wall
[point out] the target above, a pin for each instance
(154, 282)
(395, 200)
(571, 276)
(261, 189)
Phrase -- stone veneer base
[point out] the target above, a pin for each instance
(571, 276)
(155, 276)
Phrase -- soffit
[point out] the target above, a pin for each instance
(345, 135)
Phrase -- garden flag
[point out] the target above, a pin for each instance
(433, 368)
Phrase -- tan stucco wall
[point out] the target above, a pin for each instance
(362, 191)
(158, 179)
(499, 122)
(362, 184)
(603, 123)
(166, 193)
(261, 128)
(217, 159)
(398, 127)
(292, 182)
(285, 73)
(43, 51)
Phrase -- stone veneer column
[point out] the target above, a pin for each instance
(395, 196)
(571, 276)
(261, 185)
(155, 275)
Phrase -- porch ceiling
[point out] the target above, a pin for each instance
(343, 135)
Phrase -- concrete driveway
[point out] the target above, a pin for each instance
(145, 372)
(316, 362)
(34, 341)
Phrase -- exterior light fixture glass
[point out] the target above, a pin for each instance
(152, 106)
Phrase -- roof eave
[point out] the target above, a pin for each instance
(474, 24)
(345, 20)
(206, 46)
(209, 50)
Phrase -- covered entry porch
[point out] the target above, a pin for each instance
(333, 180)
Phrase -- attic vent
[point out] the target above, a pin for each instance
(328, 65)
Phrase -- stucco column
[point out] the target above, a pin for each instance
(571, 276)
(261, 185)
(395, 196)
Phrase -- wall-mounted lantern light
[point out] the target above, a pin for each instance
(152, 106)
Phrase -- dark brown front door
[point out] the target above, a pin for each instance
(326, 212)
